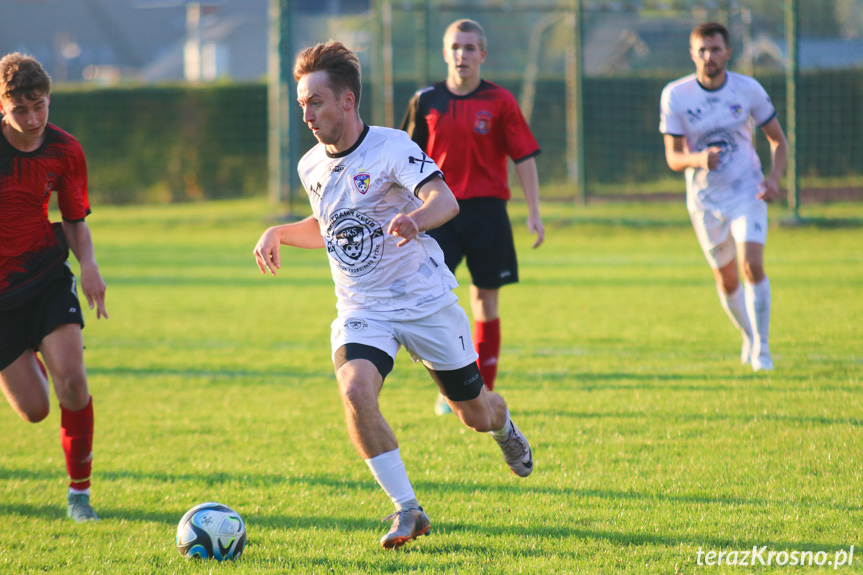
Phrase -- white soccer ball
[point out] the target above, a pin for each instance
(211, 531)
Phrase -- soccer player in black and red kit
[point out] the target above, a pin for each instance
(39, 307)
(470, 127)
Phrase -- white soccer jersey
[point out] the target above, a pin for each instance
(720, 118)
(354, 196)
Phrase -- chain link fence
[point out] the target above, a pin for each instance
(587, 73)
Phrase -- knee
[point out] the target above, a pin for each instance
(354, 393)
(72, 390)
(34, 413)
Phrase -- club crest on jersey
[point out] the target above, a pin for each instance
(482, 122)
(355, 242)
(736, 110)
(722, 139)
(50, 180)
(361, 182)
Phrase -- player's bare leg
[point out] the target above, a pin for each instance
(359, 385)
(731, 296)
(63, 350)
(758, 303)
(488, 413)
(26, 388)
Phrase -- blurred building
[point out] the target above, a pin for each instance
(109, 41)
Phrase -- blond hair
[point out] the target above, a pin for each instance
(466, 25)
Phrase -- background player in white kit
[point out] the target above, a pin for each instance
(374, 193)
(705, 122)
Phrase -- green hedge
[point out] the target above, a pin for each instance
(169, 143)
(177, 143)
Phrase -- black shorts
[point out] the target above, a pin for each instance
(24, 327)
(482, 235)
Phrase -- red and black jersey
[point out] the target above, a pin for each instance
(32, 249)
(471, 136)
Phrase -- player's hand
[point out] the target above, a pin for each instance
(768, 190)
(404, 227)
(94, 288)
(267, 251)
(709, 158)
(534, 226)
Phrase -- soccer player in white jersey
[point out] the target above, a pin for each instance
(374, 194)
(705, 122)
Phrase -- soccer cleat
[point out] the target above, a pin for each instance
(441, 407)
(408, 524)
(516, 451)
(79, 508)
(762, 362)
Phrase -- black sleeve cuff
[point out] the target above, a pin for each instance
(527, 157)
(437, 174)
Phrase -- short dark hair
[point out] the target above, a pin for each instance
(23, 76)
(711, 29)
(340, 64)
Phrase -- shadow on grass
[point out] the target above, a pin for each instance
(441, 488)
(371, 528)
(822, 223)
(615, 221)
(271, 376)
(220, 282)
(712, 417)
(762, 382)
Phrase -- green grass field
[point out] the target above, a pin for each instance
(213, 383)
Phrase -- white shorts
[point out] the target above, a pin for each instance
(718, 234)
(441, 340)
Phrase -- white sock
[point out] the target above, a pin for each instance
(391, 475)
(734, 305)
(503, 432)
(73, 491)
(758, 308)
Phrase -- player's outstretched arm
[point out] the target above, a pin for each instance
(529, 180)
(304, 234)
(439, 207)
(778, 155)
(92, 284)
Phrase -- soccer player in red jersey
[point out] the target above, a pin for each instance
(470, 127)
(39, 307)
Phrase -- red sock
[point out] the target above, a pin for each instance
(487, 344)
(76, 433)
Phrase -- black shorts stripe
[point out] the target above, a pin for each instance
(350, 351)
(461, 384)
